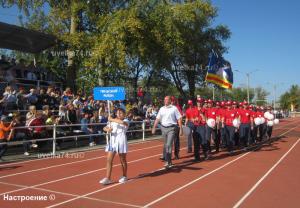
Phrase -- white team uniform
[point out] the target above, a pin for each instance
(118, 140)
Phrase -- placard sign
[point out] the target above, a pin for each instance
(109, 93)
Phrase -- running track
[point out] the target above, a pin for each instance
(267, 176)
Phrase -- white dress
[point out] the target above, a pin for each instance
(118, 140)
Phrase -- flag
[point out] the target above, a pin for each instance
(219, 71)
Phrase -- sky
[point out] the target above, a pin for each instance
(265, 37)
(265, 40)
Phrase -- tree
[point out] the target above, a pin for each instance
(161, 35)
(261, 96)
(291, 99)
(71, 21)
(185, 37)
(124, 42)
(238, 94)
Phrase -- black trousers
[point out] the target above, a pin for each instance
(176, 143)
(269, 131)
(262, 128)
(223, 137)
(230, 135)
(3, 147)
(210, 132)
(253, 133)
(244, 131)
(199, 138)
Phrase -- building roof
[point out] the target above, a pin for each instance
(21, 39)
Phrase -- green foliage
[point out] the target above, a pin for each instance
(291, 97)
(261, 96)
(237, 94)
(150, 43)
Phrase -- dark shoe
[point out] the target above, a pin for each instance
(196, 160)
(176, 157)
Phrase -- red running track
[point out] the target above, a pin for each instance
(267, 176)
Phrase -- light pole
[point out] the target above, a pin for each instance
(274, 92)
(274, 88)
(248, 82)
(248, 86)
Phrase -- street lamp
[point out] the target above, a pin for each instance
(248, 81)
(274, 92)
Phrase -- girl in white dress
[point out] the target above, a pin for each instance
(117, 144)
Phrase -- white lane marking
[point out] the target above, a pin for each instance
(264, 176)
(77, 175)
(69, 163)
(92, 150)
(201, 177)
(72, 195)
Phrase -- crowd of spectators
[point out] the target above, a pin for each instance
(73, 113)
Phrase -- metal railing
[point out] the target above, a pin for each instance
(76, 133)
(38, 83)
(33, 83)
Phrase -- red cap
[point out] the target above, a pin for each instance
(217, 103)
(199, 100)
(210, 101)
(228, 103)
(234, 103)
(205, 101)
(240, 103)
(190, 102)
(222, 103)
(245, 103)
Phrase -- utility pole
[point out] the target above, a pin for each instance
(274, 106)
(248, 82)
(274, 93)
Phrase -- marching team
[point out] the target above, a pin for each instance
(227, 124)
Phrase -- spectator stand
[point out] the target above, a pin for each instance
(57, 137)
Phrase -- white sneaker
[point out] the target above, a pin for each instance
(168, 165)
(92, 144)
(123, 179)
(105, 181)
(34, 145)
(26, 153)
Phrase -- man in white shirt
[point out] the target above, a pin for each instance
(169, 118)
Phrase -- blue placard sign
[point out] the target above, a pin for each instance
(109, 93)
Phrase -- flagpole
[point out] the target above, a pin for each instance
(219, 72)
(221, 94)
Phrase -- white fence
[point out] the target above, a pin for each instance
(294, 114)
